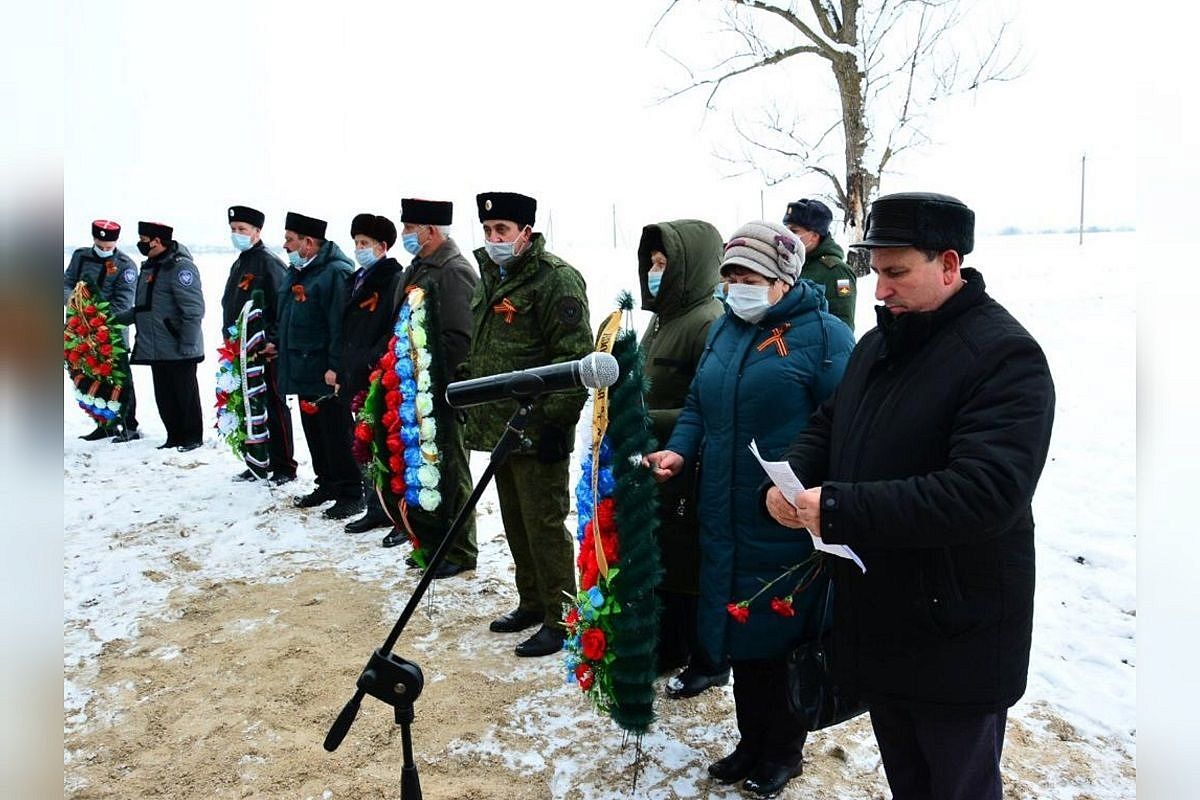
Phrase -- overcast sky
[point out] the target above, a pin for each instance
(174, 111)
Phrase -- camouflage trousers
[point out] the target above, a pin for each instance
(534, 502)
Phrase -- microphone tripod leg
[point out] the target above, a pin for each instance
(410, 781)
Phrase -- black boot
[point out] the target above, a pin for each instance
(395, 537)
(547, 641)
(126, 435)
(691, 682)
(768, 778)
(733, 767)
(316, 497)
(367, 522)
(344, 507)
(99, 433)
(515, 620)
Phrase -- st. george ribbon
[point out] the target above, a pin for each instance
(595, 371)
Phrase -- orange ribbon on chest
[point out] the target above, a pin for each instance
(776, 338)
(506, 308)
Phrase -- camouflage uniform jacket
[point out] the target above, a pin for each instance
(536, 314)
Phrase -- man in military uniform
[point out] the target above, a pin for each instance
(824, 260)
(312, 303)
(167, 311)
(110, 276)
(529, 309)
(257, 268)
(449, 280)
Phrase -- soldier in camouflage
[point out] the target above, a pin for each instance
(529, 309)
(824, 261)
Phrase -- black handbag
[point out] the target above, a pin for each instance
(811, 690)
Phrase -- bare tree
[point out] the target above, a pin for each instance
(890, 61)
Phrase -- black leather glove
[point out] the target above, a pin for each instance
(172, 328)
(553, 445)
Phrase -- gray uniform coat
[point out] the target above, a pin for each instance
(112, 278)
(168, 307)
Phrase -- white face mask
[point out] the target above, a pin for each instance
(748, 302)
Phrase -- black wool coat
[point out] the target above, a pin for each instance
(368, 323)
(928, 455)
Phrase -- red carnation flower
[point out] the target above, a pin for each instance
(396, 464)
(388, 360)
(104, 369)
(397, 484)
(390, 380)
(92, 362)
(392, 401)
(783, 606)
(73, 357)
(106, 349)
(572, 617)
(584, 676)
(592, 644)
(739, 611)
(89, 309)
(95, 322)
(357, 403)
(395, 443)
(606, 512)
(102, 335)
(362, 432)
(307, 407)
(391, 420)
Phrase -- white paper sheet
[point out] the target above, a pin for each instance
(780, 473)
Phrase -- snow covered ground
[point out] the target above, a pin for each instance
(148, 531)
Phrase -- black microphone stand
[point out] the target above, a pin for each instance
(398, 681)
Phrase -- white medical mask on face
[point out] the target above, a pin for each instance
(366, 257)
(654, 281)
(241, 241)
(294, 258)
(748, 302)
(499, 252)
(104, 253)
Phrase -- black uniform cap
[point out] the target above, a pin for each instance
(305, 226)
(506, 205)
(251, 216)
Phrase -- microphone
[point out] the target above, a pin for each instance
(595, 371)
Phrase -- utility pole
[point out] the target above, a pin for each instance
(1082, 175)
(614, 205)
(550, 230)
(762, 214)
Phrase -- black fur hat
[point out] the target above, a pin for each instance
(925, 220)
(381, 229)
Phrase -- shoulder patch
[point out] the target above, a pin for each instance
(186, 277)
(829, 261)
(129, 276)
(570, 311)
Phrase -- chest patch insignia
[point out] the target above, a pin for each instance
(186, 277)
(244, 283)
(776, 338)
(505, 308)
(843, 287)
(110, 267)
(570, 311)
(371, 302)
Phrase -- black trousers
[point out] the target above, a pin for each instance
(929, 756)
(328, 435)
(768, 728)
(679, 636)
(129, 404)
(279, 424)
(177, 396)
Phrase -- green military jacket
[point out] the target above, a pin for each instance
(826, 266)
(536, 314)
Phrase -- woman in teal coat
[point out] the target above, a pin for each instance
(769, 362)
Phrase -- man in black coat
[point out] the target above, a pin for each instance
(367, 327)
(925, 461)
(256, 268)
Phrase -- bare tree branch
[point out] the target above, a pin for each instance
(824, 48)
(661, 17)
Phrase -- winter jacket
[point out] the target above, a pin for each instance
(928, 456)
(826, 266)
(684, 308)
(112, 278)
(755, 382)
(256, 268)
(168, 308)
(447, 275)
(368, 322)
(312, 301)
(536, 314)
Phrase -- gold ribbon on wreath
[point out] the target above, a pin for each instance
(604, 344)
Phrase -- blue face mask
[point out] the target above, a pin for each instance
(366, 257)
(294, 258)
(719, 291)
(411, 243)
(240, 241)
(104, 253)
(499, 252)
(654, 281)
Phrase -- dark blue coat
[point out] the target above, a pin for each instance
(741, 393)
(312, 302)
